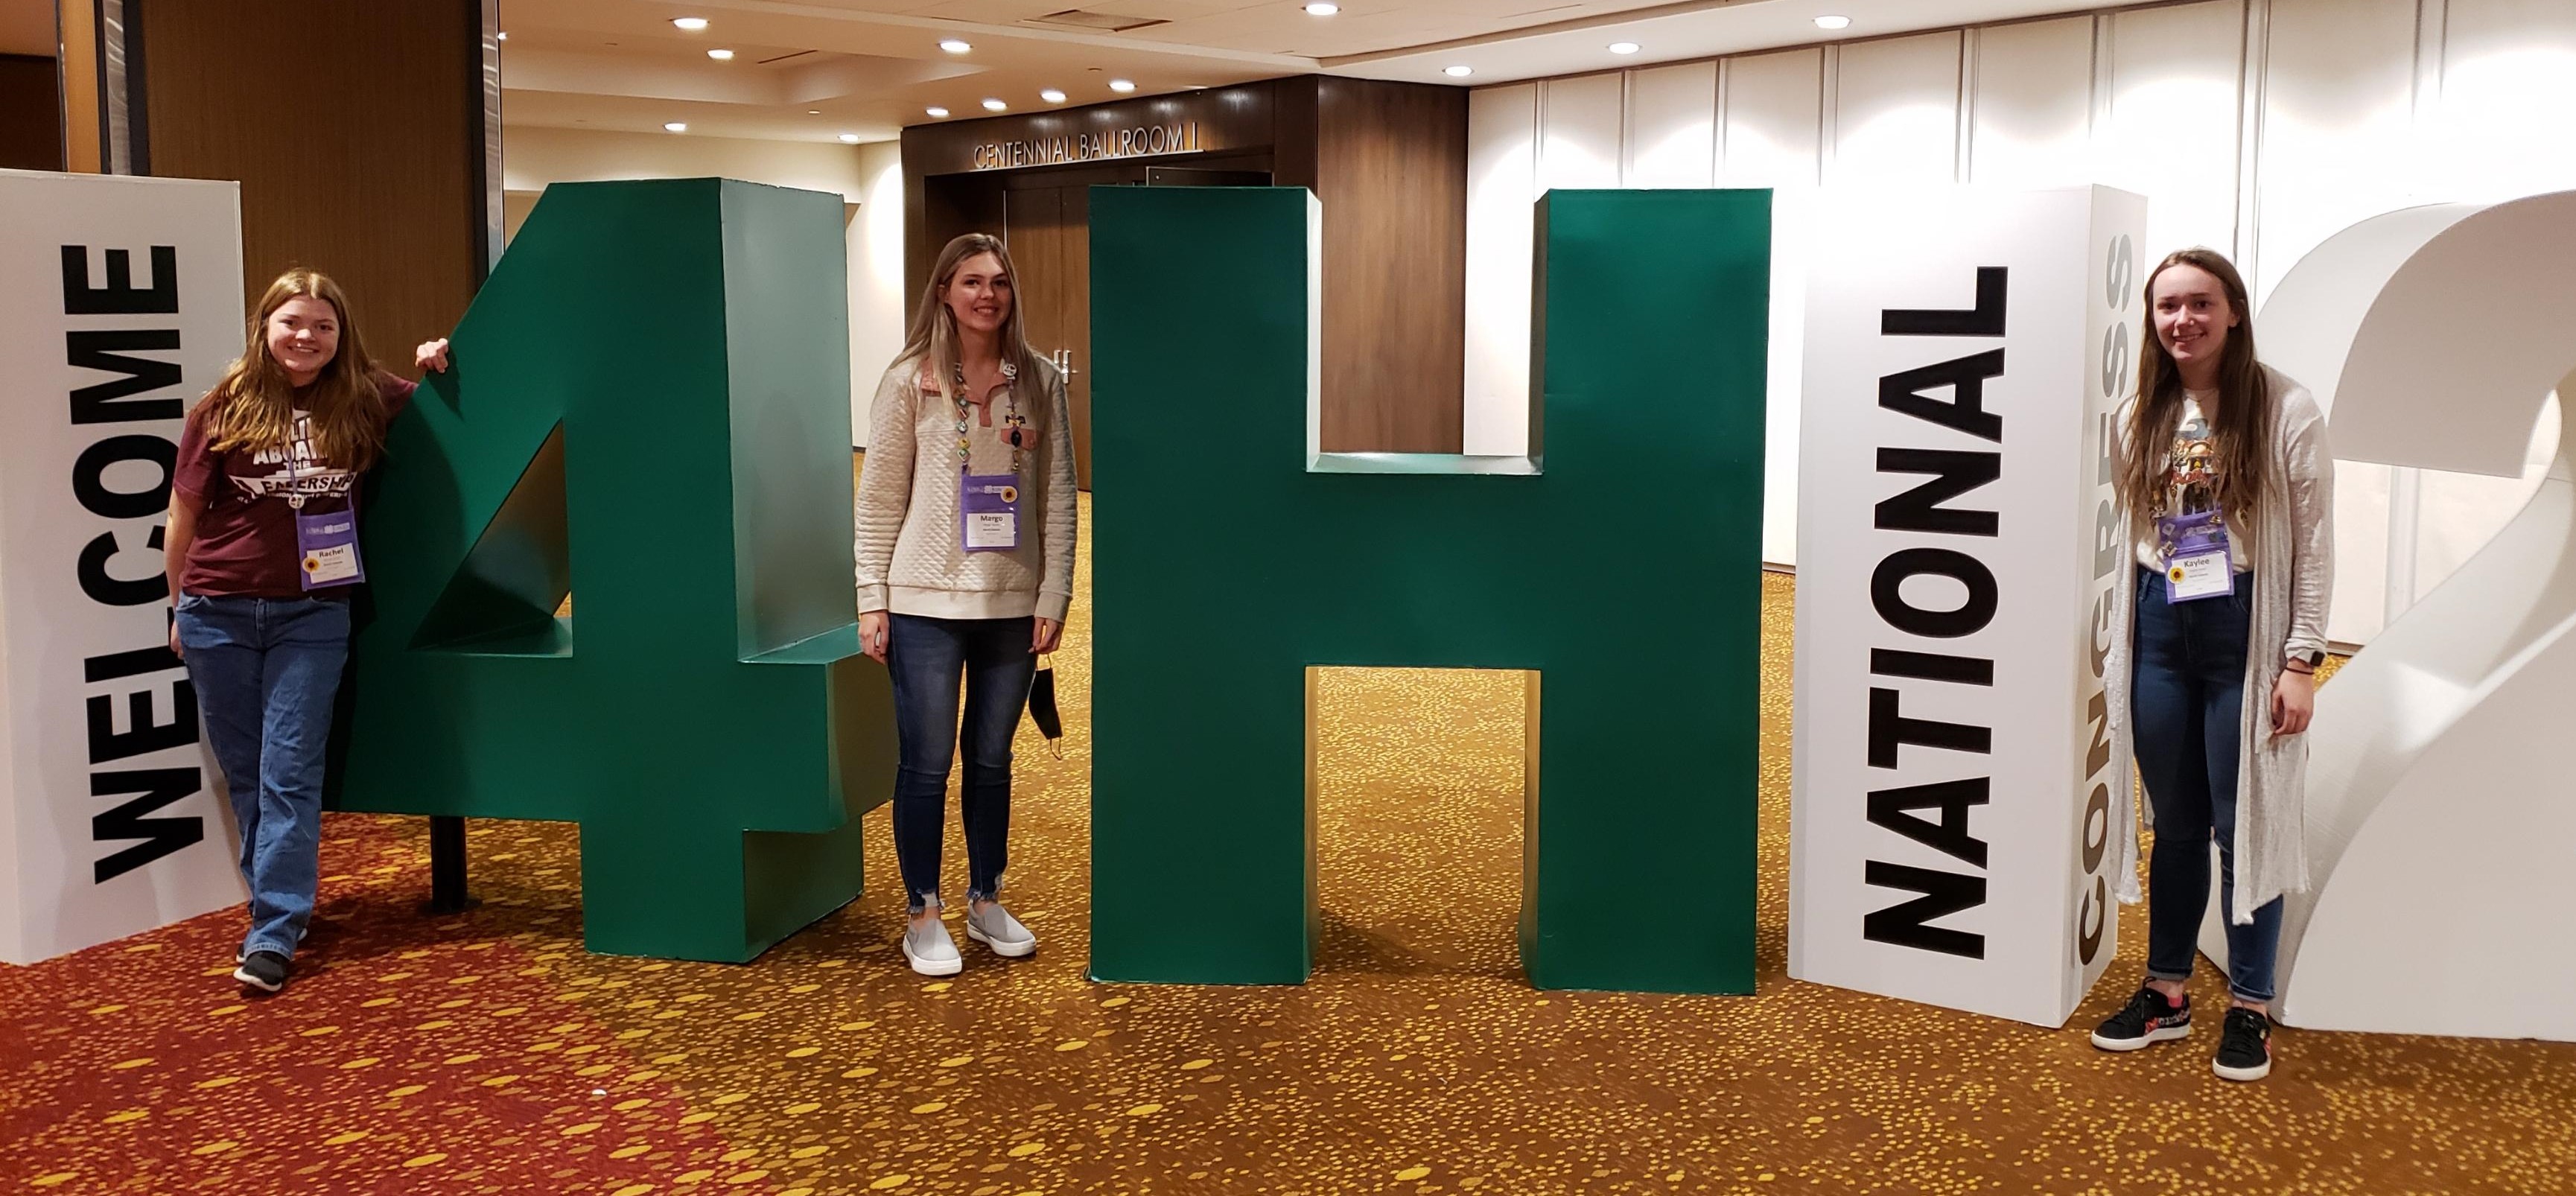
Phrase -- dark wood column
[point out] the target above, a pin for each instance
(355, 130)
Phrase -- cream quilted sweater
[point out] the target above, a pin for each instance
(910, 555)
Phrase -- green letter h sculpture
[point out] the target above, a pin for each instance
(649, 409)
(1621, 564)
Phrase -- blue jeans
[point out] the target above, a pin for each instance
(2186, 694)
(266, 671)
(927, 656)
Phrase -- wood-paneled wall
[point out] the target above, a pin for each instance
(356, 133)
(1389, 162)
(31, 113)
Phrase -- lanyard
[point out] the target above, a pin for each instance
(1016, 425)
(295, 422)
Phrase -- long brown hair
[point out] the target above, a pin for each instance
(2242, 424)
(932, 340)
(253, 405)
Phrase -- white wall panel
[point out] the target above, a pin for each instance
(2032, 105)
(1502, 183)
(1581, 122)
(1896, 111)
(876, 278)
(2505, 122)
(2350, 108)
(1672, 126)
(1773, 111)
(2176, 78)
(2337, 122)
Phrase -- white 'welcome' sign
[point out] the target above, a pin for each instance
(1957, 549)
(124, 304)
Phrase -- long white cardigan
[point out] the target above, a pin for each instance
(2293, 559)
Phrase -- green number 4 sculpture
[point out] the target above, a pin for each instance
(1622, 564)
(649, 410)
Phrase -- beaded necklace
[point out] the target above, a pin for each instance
(1014, 424)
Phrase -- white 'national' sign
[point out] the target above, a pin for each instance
(1957, 545)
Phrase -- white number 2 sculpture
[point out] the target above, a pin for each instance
(2441, 803)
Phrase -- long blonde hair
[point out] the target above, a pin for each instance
(253, 405)
(2244, 421)
(932, 340)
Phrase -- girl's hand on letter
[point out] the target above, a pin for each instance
(872, 635)
(1045, 636)
(431, 355)
(2294, 702)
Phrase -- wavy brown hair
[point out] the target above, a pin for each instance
(253, 405)
(2242, 425)
(932, 340)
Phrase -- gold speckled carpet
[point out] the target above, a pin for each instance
(489, 1053)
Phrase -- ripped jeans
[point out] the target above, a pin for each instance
(927, 657)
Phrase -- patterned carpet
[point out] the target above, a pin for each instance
(487, 1053)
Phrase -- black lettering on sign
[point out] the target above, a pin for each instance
(1954, 472)
(107, 402)
(161, 836)
(1966, 376)
(1985, 319)
(142, 735)
(1907, 925)
(1891, 808)
(1889, 730)
(136, 663)
(120, 297)
(107, 589)
(1887, 592)
(89, 476)
(1932, 666)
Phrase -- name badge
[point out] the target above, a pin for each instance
(988, 509)
(328, 546)
(2196, 564)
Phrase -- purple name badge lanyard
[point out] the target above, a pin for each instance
(2196, 556)
(988, 504)
(327, 545)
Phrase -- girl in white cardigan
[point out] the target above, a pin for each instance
(2229, 491)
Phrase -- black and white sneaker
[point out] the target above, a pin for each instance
(2244, 1046)
(2148, 1018)
(264, 970)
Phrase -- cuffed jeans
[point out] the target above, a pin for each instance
(927, 656)
(266, 671)
(2186, 697)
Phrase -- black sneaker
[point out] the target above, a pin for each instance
(264, 970)
(2244, 1046)
(2147, 1019)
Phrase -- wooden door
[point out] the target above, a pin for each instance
(1049, 232)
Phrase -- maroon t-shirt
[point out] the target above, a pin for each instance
(245, 545)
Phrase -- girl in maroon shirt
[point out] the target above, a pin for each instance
(261, 552)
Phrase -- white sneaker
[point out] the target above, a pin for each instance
(930, 951)
(994, 927)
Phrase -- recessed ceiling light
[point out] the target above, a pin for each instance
(992, 105)
(692, 24)
(1122, 85)
(721, 55)
(849, 139)
(954, 46)
(1320, 9)
(675, 126)
(1052, 96)
(1833, 22)
(1623, 47)
(1458, 72)
(813, 112)
(935, 111)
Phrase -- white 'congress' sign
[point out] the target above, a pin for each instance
(124, 304)
(1957, 546)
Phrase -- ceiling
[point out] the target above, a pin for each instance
(816, 70)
